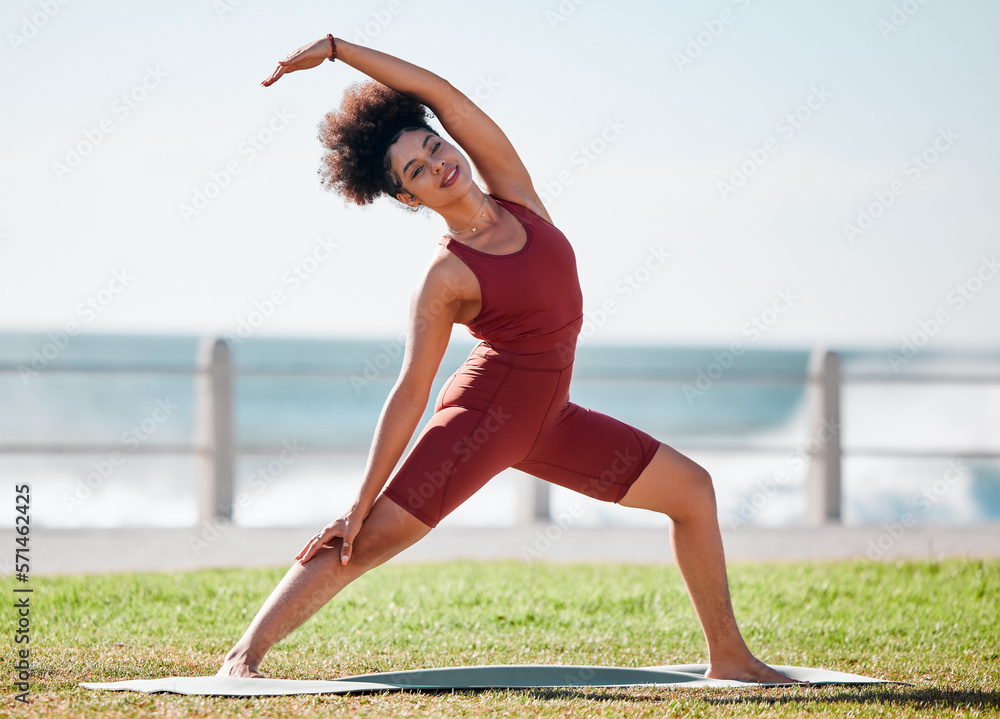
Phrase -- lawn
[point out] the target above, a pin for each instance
(935, 625)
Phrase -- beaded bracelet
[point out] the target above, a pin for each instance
(333, 45)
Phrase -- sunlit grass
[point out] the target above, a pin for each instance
(934, 625)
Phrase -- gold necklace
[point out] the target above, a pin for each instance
(481, 210)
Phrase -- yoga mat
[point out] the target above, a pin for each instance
(511, 676)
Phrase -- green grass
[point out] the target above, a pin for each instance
(935, 625)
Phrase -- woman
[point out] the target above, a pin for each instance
(506, 272)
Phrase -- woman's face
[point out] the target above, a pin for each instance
(434, 172)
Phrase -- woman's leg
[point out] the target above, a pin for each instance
(681, 489)
(388, 530)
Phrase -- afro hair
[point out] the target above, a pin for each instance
(357, 137)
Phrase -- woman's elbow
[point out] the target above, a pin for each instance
(411, 393)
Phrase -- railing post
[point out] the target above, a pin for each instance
(215, 434)
(533, 500)
(824, 437)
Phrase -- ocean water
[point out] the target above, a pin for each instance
(322, 397)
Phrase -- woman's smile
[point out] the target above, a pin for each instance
(450, 177)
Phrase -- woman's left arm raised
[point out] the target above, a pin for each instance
(476, 133)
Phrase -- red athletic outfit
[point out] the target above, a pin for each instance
(508, 404)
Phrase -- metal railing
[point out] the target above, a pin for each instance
(215, 444)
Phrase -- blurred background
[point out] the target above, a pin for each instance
(748, 188)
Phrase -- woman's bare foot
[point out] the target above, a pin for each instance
(749, 669)
(237, 665)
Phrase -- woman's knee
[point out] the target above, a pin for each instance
(674, 485)
(702, 488)
(387, 531)
(365, 556)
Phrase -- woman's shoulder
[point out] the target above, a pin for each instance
(448, 270)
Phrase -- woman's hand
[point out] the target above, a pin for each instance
(347, 528)
(304, 58)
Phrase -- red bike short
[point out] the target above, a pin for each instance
(502, 410)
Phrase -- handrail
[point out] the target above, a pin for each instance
(216, 448)
(741, 377)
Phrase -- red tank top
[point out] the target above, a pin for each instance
(531, 299)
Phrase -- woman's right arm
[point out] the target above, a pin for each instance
(489, 149)
(432, 313)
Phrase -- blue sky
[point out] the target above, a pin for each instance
(740, 140)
